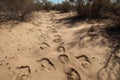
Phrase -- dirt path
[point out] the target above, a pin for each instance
(48, 49)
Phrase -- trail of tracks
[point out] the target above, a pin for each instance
(47, 48)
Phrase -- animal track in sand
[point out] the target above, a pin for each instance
(63, 58)
(85, 62)
(25, 69)
(61, 49)
(20, 77)
(46, 64)
(44, 46)
(57, 38)
(72, 74)
(83, 57)
(53, 30)
(24, 73)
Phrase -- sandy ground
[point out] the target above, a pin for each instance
(48, 49)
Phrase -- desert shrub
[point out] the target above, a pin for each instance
(67, 6)
(99, 6)
(44, 5)
(90, 8)
(38, 6)
(48, 6)
(83, 10)
(57, 7)
(16, 9)
(94, 8)
(117, 9)
(64, 6)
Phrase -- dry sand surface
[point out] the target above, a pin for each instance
(49, 48)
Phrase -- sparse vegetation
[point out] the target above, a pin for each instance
(21, 10)
(98, 8)
(52, 41)
(16, 9)
(64, 6)
(48, 6)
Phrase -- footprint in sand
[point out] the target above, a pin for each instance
(61, 49)
(18, 77)
(58, 38)
(25, 69)
(21, 77)
(24, 73)
(44, 46)
(53, 30)
(46, 64)
(63, 58)
(72, 74)
(85, 62)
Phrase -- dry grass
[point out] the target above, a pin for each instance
(97, 8)
(21, 10)
(16, 10)
(64, 6)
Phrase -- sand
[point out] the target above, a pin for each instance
(49, 49)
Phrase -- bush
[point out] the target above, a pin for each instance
(83, 10)
(94, 8)
(48, 6)
(57, 7)
(16, 9)
(64, 6)
(117, 9)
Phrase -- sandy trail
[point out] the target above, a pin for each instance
(46, 49)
